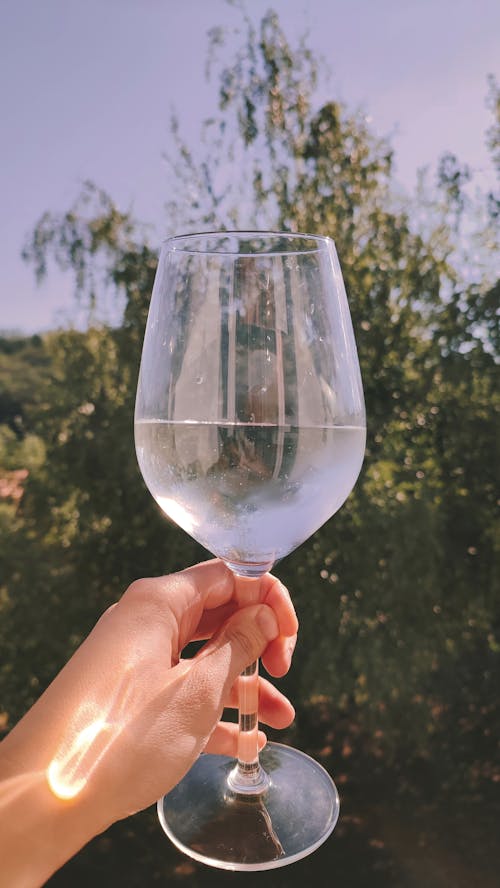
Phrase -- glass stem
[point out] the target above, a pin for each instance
(248, 776)
(248, 703)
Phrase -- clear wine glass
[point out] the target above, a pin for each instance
(250, 434)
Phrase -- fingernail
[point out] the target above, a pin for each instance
(290, 647)
(267, 622)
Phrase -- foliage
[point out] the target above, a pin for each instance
(398, 595)
(402, 586)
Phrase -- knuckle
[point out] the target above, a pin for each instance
(147, 593)
(146, 602)
(138, 589)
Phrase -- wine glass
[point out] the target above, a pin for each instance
(250, 434)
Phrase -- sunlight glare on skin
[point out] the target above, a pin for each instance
(68, 772)
(93, 729)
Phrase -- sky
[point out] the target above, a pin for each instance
(86, 91)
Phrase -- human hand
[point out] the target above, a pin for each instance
(126, 717)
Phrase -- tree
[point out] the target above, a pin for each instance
(396, 670)
(422, 514)
(384, 590)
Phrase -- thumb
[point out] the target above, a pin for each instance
(242, 639)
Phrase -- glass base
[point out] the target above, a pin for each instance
(289, 819)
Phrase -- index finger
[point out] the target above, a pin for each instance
(277, 596)
(221, 592)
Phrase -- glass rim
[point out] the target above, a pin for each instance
(174, 243)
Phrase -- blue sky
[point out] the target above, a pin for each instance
(86, 89)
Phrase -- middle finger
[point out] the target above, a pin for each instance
(274, 708)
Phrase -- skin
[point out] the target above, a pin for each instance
(126, 718)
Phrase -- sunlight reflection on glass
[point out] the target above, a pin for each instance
(178, 513)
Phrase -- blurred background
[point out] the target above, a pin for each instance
(379, 125)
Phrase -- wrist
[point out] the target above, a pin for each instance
(38, 831)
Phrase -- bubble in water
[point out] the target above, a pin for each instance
(199, 380)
